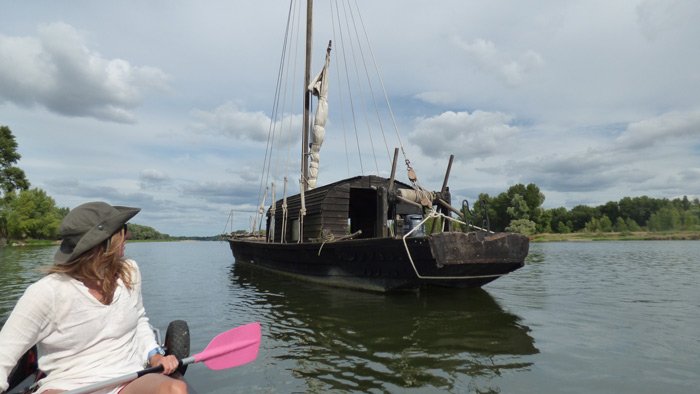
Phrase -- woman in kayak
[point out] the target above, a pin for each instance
(86, 316)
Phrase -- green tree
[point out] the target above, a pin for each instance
(666, 219)
(139, 232)
(606, 225)
(639, 209)
(558, 218)
(621, 226)
(532, 197)
(611, 209)
(497, 210)
(520, 212)
(632, 225)
(545, 224)
(11, 177)
(522, 226)
(483, 212)
(689, 220)
(581, 215)
(592, 226)
(518, 208)
(518, 202)
(599, 225)
(33, 214)
(562, 228)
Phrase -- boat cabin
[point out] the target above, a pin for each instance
(359, 206)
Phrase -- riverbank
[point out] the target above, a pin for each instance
(27, 242)
(544, 237)
(40, 242)
(613, 236)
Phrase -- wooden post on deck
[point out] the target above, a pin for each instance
(382, 212)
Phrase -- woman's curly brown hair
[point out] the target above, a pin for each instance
(103, 265)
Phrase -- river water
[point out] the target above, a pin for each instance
(580, 317)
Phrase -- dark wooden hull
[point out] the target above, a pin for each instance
(384, 264)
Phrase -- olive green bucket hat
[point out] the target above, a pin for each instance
(88, 225)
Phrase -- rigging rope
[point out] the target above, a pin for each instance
(289, 98)
(340, 95)
(369, 85)
(347, 82)
(381, 80)
(352, 33)
(265, 175)
(359, 87)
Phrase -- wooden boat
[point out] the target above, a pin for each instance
(371, 232)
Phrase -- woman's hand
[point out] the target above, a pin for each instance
(169, 363)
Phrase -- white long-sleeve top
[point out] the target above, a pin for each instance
(80, 340)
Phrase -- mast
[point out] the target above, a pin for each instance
(307, 98)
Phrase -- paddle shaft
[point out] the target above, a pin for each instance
(125, 378)
(229, 349)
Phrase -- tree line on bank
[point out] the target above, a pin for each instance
(30, 213)
(519, 209)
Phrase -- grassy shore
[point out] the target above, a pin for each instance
(41, 242)
(29, 242)
(626, 236)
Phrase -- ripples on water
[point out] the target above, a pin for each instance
(18, 268)
(579, 317)
(611, 316)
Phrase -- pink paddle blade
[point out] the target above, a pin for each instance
(232, 348)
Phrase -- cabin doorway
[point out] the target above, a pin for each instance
(363, 211)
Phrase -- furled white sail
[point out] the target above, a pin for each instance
(319, 88)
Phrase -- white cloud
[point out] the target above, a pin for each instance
(58, 71)
(437, 97)
(626, 163)
(231, 120)
(661, 129)
(152, 178)
(490, 59)
(656, 17)
(577, 172)
(691, 175)
(476, 135)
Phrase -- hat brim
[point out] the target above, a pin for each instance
(96, 235)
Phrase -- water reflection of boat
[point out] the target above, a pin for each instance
(339, 340)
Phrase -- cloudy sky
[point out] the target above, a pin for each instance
(166, 105)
